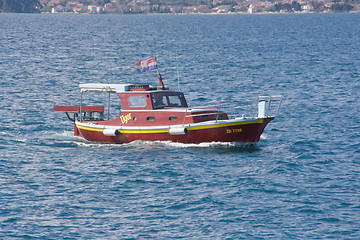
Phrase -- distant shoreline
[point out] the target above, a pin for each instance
(230, 13)
(212, 13)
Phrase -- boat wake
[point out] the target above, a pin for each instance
(201, 145)
(67, 136)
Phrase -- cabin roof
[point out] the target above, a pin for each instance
(119, 88)
(104, 87)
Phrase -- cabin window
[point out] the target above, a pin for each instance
(150, 118)
(137, 101)
(173, 118)
(159, 100)
(175, 101)
(168, 99)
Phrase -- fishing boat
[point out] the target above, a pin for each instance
(162, 114)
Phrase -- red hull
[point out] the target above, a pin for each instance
(243, 132)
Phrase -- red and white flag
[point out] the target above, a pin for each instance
(146, 65)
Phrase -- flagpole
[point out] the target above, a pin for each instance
(159, 77)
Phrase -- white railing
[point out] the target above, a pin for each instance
(268, 106)
(202, 114)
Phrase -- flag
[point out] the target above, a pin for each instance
(146, 65)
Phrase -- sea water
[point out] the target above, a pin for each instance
(302, 181)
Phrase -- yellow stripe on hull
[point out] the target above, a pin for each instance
(90, 128)
(224, 125)
(145, 131)
(165, 130)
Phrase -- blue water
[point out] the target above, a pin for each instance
(302, 181)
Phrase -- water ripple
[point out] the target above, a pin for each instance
(300, 181)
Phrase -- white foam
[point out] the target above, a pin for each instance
(263, 136)
(84, 143)
(194, 145)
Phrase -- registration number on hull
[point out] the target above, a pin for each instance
(234, 130)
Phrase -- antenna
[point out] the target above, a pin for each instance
(177, 70)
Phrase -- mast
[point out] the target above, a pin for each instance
(159, 77)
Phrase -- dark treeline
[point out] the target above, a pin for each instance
(20, 6)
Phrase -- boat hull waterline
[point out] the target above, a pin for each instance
(247, 131)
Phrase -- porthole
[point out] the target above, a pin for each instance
(150, 118)
(134, 118)
(172, 118)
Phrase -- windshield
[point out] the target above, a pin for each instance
(168, 99)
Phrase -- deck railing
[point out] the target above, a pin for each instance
(271, 105)
(202, 114)
(265, 106)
